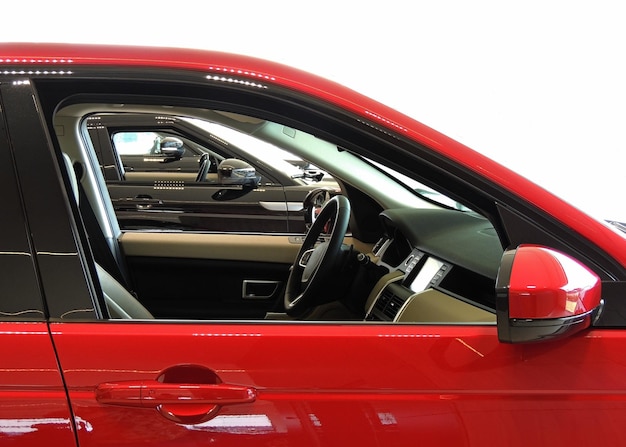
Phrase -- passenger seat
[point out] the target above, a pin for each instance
(121, 304)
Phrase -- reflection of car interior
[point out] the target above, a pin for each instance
(141, 141)
(163, 171)
(406, 260)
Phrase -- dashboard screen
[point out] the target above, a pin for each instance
(426, 274)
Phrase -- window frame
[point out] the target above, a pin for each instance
(331, 123)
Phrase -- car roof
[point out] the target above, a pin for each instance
(60, 58)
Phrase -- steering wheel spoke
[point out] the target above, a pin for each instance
(306, 256)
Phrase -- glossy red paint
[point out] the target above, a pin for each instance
(67, 57)
(330, 384)
(561, 286)
(33, 403)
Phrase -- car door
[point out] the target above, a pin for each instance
(280, 383)
(33, 403)
(270, 382)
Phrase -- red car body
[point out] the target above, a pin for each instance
(93, 381)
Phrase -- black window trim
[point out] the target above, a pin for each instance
(69, 284)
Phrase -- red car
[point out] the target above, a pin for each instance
(437, 298)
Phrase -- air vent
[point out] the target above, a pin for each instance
(379, 246)
(384, 298)
(389, 304)
(393, 307)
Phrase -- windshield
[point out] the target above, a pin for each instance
(421, 189)
(298, 154)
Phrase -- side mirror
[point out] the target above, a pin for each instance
(542, 294)
(232, 171)
(172, 148)
(315, 201)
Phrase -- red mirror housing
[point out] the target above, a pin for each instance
(542, 294)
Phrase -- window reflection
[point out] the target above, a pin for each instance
(13, 427)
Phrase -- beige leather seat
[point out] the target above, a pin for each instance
(120, 302)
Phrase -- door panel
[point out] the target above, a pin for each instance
(369, 385)
(233, 247)
(207, 289)
(209, 276)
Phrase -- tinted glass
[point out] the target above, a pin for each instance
(53, 233)
(19, 293)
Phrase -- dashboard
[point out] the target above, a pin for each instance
(443, 266)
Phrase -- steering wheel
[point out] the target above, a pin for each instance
(311, 271)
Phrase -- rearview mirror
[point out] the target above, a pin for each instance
(542, 294)
(172, 148)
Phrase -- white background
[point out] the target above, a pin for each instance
(539, 86)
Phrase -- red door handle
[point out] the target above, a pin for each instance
(186, 403)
